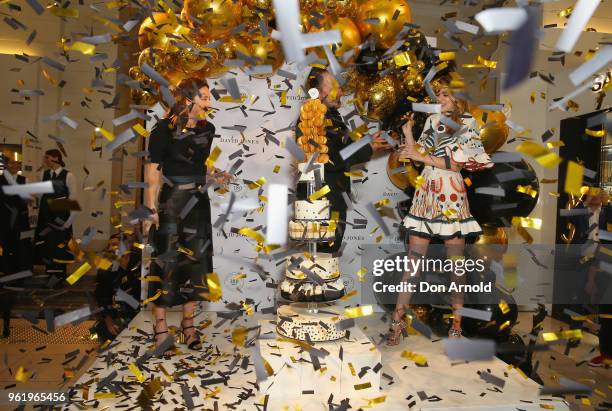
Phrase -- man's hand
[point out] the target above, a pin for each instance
(110, 325)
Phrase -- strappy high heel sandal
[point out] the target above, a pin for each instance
(192, 340)
(170, 351)
(397, 329)
(455, 332)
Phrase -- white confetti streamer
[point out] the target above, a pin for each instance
(583, 10)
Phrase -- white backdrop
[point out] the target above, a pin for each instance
(235, 255)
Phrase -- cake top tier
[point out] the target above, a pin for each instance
(310, 176)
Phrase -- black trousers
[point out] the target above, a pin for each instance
(182, 247)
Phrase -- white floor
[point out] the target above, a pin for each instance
(441, 385)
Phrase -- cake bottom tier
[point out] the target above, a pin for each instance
(295, 321)
(302, 291)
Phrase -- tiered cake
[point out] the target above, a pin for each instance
(311, 277)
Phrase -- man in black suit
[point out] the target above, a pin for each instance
(14, 220)
(53, 230)
(337, 134)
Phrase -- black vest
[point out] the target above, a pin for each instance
(60, 190)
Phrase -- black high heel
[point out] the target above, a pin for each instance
(170, 351)
(195, 344)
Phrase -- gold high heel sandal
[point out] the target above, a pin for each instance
(396, 330)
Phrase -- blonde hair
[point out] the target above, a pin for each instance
(460, 105)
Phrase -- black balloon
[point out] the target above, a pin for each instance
(367, 61)
(500, 326)
(493, 210)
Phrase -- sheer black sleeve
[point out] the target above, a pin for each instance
(159, 140)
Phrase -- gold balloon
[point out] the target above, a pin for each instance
(189, 61)
(386, 28)
(267, 51)
(401, 180)
(142, 97)
(336, 8)
(155, 58)
(153, 31)
(260, 5)
(355, 82)
(136, 74)
(493, 136)
(213, 18)
(412, 82)
(492, 243)
(382, 96)
(349, 34)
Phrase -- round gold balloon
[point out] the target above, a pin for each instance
(267, 51)
(153, 31)
(189, 61)
(493, 136)
(386, 28)
(213, 18)
(400, 180)
(492, 243)
(142, 97)
(136, 74)
(260, 5)
(155, 58)
(412, 82)
(349, 35)
(382, 96)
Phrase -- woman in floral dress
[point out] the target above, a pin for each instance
(440, 208)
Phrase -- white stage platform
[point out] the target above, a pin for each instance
(223, 377)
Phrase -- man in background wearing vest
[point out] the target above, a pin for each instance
(54, 227)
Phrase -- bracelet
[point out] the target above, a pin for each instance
(447, 162)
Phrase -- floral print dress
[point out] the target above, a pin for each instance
(440, 206)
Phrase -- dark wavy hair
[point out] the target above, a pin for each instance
(184, 93)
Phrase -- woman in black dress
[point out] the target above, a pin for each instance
(179, 146)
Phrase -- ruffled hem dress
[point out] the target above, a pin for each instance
(440, 207)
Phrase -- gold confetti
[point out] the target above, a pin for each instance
(319, 193)
(103, 395)
(84, 48)
(527, 190)
(212, 158)
(363, 386)
(214, 287)
(21, 375)
(78, 273)
(487, 63)
(527, 222)
(276, 169)
(563, 335)
(360, 311)
(596, 133)
(540, 153)
(524, 234)
(418, 359)
(349, 295)
(566, 12)
(134, 368)
(406, 58)
(153, 298)
(105, 133)
(258, 183)
(239, 336)
(446, 55)
(141, 130)
(352, 369)
(361, 274)
(573, 178)
(249, 232)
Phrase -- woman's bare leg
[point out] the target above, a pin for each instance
(160, 327)
(455, 249)
(417, 247)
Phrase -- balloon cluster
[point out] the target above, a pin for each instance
(203, 42)
(312, 126)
